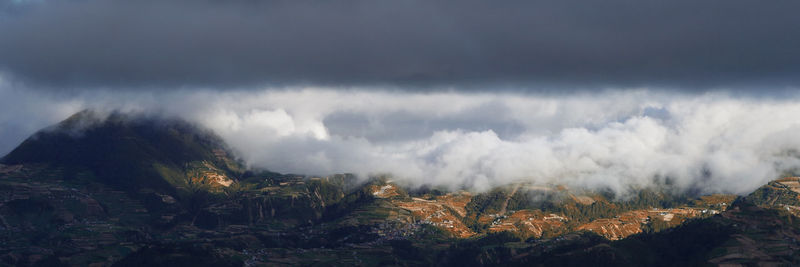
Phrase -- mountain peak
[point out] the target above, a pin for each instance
(133, 151)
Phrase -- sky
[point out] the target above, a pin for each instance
(458, 94)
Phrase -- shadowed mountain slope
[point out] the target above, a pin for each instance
(127, 151)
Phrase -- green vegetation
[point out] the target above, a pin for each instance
(774, 193)
(184, 255)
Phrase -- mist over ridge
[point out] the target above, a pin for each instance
(618, 139)
(471, 95)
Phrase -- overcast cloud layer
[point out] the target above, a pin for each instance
(566, 44)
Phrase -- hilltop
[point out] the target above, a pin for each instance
(129, 151)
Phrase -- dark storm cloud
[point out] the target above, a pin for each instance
(173, 43)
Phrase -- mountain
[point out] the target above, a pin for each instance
(130, 152)
(131, 190)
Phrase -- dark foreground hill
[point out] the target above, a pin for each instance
(131, 190)
(127, 151)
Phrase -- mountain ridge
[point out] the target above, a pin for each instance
(59, 205)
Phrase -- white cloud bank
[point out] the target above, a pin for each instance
(713, 142)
